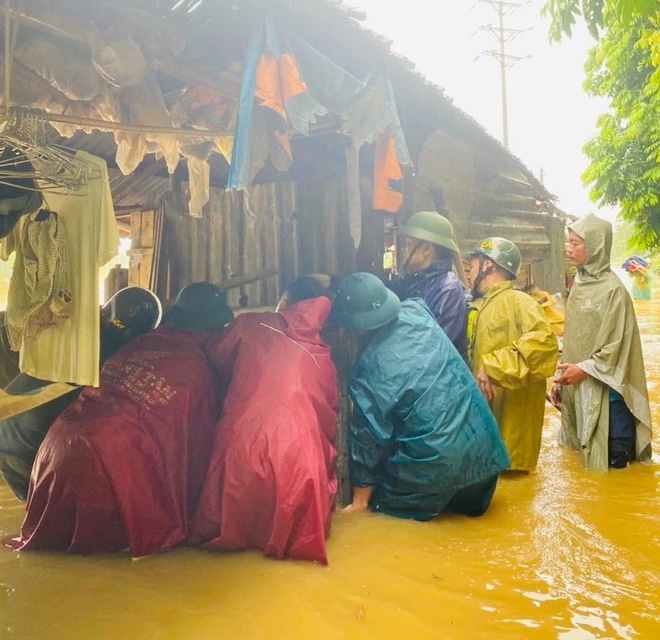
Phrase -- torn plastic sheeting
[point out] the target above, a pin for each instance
(199, 184)
(117, 57)
(145, 105)
(65, 66)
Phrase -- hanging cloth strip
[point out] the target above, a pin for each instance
(39, 290)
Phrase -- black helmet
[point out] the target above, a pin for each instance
(200, 306)
(131, 312)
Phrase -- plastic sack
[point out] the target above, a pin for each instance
(117, 56)
(64, 65)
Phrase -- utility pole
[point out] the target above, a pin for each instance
(503, 35)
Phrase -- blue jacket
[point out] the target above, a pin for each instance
(444, 295)
(420, 428)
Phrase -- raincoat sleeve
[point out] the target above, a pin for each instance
(370, 431)
(529, 358)
(450, 310)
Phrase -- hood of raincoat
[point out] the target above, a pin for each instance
(597, 236)
(305, 319)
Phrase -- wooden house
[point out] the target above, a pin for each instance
(157, 88)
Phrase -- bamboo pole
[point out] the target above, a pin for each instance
(460, 269)
(143, 129)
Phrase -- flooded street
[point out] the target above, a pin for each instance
(560, 554)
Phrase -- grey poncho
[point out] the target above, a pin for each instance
(602, 338)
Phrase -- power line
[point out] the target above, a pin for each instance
(506, 60)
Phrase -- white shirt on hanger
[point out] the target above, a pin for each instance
(69, 352)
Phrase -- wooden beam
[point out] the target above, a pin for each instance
(105, 125)
(238, 281)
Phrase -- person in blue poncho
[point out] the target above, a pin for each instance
(421, 437)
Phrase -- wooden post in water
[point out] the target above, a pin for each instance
(344, 349)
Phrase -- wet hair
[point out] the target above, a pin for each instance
(312, 286)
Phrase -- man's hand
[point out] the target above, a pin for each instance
(486, 387)
(571, 374)
(360, 502)
(555, 396)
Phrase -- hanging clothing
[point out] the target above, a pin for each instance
(69, 352)
(39, 291)
(512, 339)
(271, 482)
(602, 338)
(18, 196)
(8, 358)
(421, 433)
(123, 466)
(444, 294)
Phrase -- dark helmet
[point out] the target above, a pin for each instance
(129, 313)
(432, 227)
(363, 303)
(501, 251)
(132, 311)
(200, 306)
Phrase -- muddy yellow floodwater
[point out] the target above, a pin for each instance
(560, 554)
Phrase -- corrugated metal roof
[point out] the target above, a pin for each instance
(205, 23)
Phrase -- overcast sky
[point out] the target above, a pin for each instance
(549, 115)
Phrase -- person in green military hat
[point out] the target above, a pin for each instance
(429, 253)
(512, 349)
(421, 437)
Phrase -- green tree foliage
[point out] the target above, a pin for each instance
(624, 66)
(624, 246)
(563, 13)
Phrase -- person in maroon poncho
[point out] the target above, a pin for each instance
(271, 481)
(124, 464)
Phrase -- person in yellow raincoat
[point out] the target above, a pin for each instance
(512, 349)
